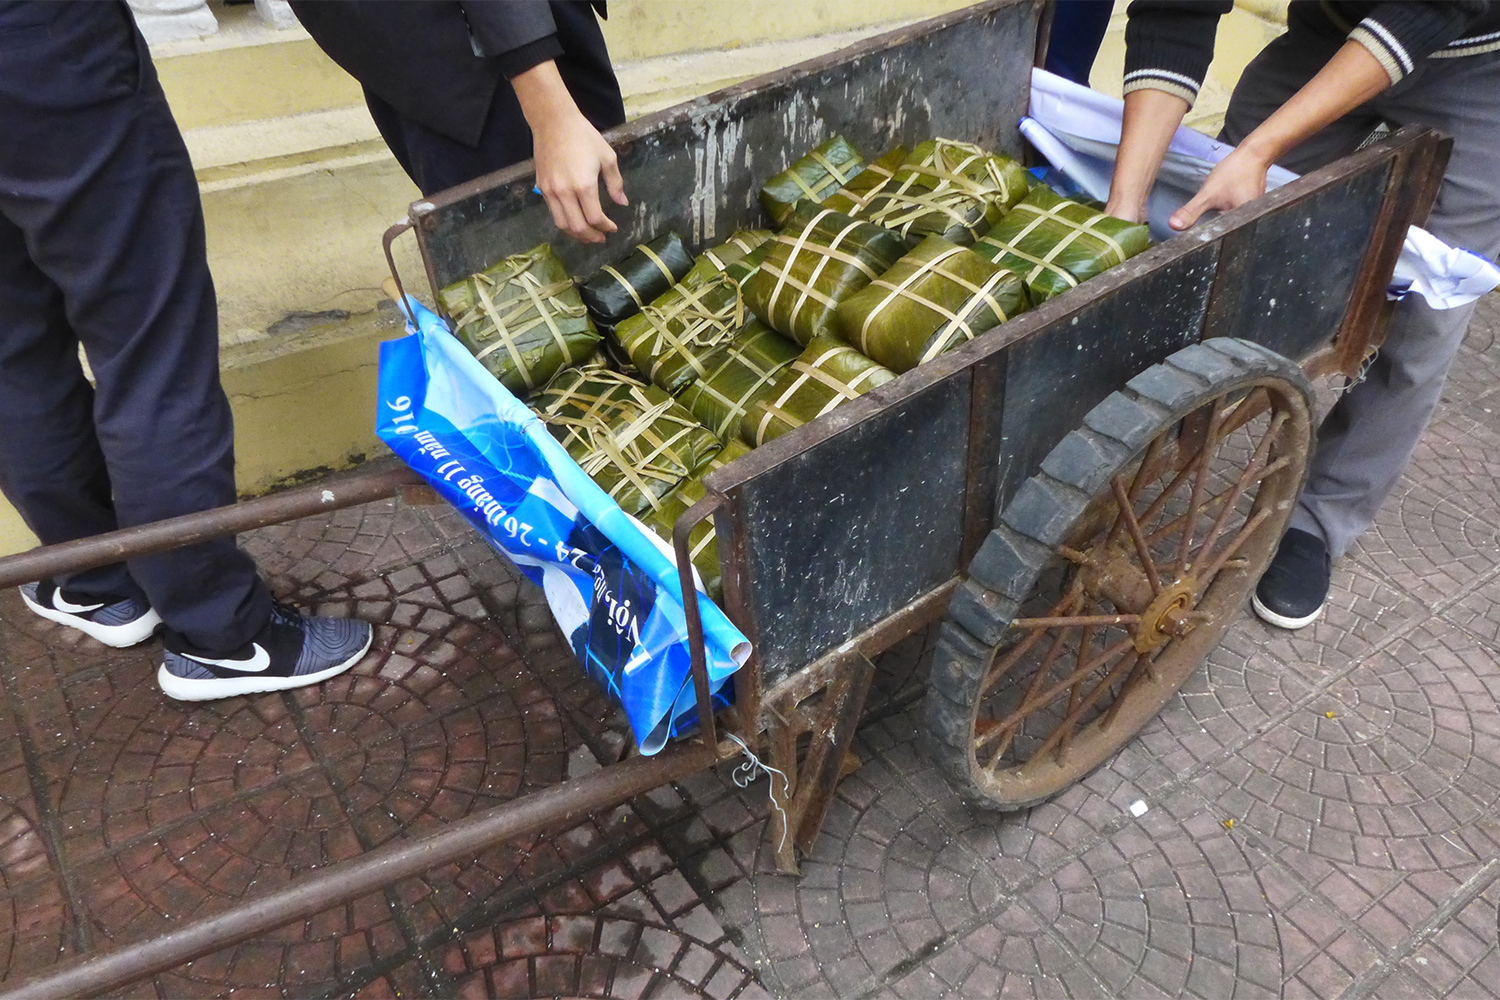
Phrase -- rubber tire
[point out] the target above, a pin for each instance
(1043, 514)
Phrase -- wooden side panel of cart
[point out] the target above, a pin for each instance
(844, 536)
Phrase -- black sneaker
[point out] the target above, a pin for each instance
(1294, 589)
(289, 651)
(114, 621)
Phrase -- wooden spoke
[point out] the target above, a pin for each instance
(1200, 479)
(1013, 655)
(1242, 411)
(1243, 535)
(1030, 704)
(1143, 550)
(1080, 621)
(1070, 722)
(1074, 694)
(1252, 470)
(1153, 452)
(1141, 665)
(1212, 503)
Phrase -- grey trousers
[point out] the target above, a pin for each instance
(1368, 437)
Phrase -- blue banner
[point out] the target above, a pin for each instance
(611, 583)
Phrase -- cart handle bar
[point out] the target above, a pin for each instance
(76, 556)
(556, 808)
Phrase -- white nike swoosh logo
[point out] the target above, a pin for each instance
(66, 606)
(254, 665)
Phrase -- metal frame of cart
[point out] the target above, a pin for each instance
(908, 480)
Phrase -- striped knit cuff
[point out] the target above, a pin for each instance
(1177, 84)
(1384, 46)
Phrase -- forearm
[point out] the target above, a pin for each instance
(1352, 77)
(1151, 118)
(543, 96)
(571, 156)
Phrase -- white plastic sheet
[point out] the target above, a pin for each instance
(1078, 131)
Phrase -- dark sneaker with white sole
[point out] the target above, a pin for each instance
(289, 651)
(1294, 589)
(114, 621)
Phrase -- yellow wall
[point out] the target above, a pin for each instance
(645, 29)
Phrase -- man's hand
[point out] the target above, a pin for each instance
(571, 156)
(1236, 179)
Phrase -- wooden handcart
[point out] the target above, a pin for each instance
(1083, 497)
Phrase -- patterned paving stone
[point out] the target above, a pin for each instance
(206, 862)
(147, 763)
(887, 881)
(1229, 699)
(1478, 362)
(328, 551)
(1478, 612)
(1011, 955)
(1321, 954)
(1394, 766)
(1380, 797)
(33, 912)
(1439, 531)
(1364, 611)
(1171, 904)
(1018, 844)
(1460, 959)
(326, 956)
(595, 956)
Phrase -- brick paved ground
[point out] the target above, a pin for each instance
(1359, 761)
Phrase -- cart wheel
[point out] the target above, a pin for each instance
(1114, 570)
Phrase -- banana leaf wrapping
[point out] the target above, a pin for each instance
(597, 358)
(742, 270)
(852, 198)
(821, 258)
(742, 244)
(1054, 243)
(522, 318)
(814, 177)
(620, 289)
(703, 542)
(827, 375)
(936, 298)
(667, 340)
(739, 373)
(950, 189)
(631, 438)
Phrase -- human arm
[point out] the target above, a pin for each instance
(1168, 48)
(1346, 81)
(571, 156)
(1151, 118)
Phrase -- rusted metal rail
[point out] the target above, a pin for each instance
(159, 536)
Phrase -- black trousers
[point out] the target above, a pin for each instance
(436, 162)
(102, 243)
